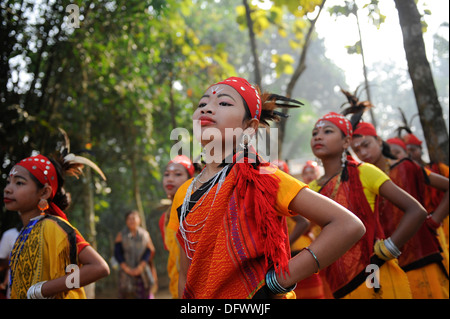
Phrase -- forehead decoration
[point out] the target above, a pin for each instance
(185, 161)
(43, 170)
(337, 119)
(248, 92)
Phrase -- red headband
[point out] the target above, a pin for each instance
(339, 120)
(397, 141)
(310, 164)
(248, 92)
(365, 129)
(412, 139)
(43, 170)
(185, 161)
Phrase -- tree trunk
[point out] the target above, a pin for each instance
(88, 193)
(366, 80)
(301, 66)
(430, 110)
(257, 71)
(136, 188)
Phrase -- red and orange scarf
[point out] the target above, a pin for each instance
(241, 239)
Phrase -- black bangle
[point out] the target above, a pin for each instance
(274, 286)
(315, 258)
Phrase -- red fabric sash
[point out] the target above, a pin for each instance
(433, 196)
(410, 177)
(350, 194)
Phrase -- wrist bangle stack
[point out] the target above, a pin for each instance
(274, 286)
(35, 291)
(392, 248)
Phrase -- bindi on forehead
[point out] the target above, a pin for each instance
(215, 90)
(320, 124)
(13, 172)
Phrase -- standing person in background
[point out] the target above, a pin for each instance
(230, 219)
(310, 171)
(178, 171)
(421, 256)
(47, 244)
(433, 196)
(6, 245)
(397, 148)
(133, 250)
(414, 147)
(357, 186)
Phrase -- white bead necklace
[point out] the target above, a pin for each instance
(185, 227)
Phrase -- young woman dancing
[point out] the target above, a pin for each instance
(230, 219)
(358, 187)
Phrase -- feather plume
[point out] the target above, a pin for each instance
(404, 120)
(66, 147)
(356, 107)
(270, 102)
(75, 159)
(279, 100)
(73, 164)
(405, 126)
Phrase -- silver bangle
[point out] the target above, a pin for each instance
(389, 244)
(35, 291)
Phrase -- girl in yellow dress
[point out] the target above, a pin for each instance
(50, 258)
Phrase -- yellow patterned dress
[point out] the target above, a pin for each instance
(43, 250)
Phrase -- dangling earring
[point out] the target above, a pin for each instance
(318, 161)
(245, 139)
(202, 153)
(43, 206)
(344, 158)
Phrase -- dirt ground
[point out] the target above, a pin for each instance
(112, 294)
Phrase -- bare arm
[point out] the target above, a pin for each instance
(414, 213)
(184, 265)
(341, 229)
(440, 182)
(301, 226)
(94, 268)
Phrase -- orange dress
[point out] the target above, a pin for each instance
(242, 232)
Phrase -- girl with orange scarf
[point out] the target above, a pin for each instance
(421, 256)
(48, 246)
(357, 187)
(231, 219)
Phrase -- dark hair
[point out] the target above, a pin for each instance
(385, 148)
(61, 199)
(130, 212)
(269, 102)
(386, 151)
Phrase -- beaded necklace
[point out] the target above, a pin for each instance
(185, 227)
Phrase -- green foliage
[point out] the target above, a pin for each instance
(133, 71)
(289, 17)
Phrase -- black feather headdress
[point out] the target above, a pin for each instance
(355, 107)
